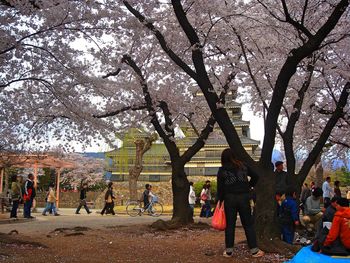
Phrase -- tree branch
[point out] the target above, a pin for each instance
(286, 73)
(116, 112)
(337, 114)
(175, 58)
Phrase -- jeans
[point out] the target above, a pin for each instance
(15, 205)
(239, 203)
(83, 203)
(50, 206)
(27, 207)
(192, 210)
(288, 233)
(109, 207)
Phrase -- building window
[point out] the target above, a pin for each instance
(154, 178)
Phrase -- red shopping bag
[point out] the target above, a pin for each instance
(219, 219)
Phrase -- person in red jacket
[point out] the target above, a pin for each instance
(340, 229)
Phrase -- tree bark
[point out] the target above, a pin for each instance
(318, 171)
(180, 187)
(134, 173)
(266, 207)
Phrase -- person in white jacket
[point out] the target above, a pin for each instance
(192, 199)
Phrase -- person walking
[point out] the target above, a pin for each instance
(83, 200)
(28, 196)
(109, 200)
(16, 190)
(233, 188)
(50, 203)
(191, 199)
(327, 192)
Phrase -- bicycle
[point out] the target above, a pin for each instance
(135, 208)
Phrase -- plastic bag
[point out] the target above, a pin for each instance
(219, 218)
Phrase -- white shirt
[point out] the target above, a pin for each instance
(191, 196)
(327, 190)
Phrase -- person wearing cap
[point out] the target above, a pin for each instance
(281, 181)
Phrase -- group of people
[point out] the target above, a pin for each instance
(330, 223)
(22, 193)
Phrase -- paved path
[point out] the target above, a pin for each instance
(45, 224)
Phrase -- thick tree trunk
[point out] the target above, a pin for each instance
(133, 188)
(180, 187)
(134, 173)
(266, 225)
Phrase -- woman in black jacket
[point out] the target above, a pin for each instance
(233, 187)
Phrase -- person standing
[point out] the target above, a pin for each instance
(327, 192)
(51, 199)
(145, 196)
(281, 181)
(191, 199)
(205, 200)
(83, 200)
(109, 200)
(16, 190)
(337, 191)
(289, 217)
(28, 196)
(233, 188)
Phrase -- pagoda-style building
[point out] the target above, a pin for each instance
(156, 161)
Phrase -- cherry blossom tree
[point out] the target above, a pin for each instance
(288, 59)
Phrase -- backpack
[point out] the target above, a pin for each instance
(285, 216)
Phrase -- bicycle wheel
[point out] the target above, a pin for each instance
(133, 208)
(157, 209)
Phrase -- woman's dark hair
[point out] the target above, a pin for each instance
(191, 183)
(110, 184)
(51, 185)
(336, 183)
(229, 158)
(317, 192)
(343, 202)
(14, 178)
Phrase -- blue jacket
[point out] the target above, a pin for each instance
(290, 205)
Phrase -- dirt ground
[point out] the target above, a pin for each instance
(137, 243)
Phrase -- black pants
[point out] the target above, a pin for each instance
(239, 203)
(109, 207)
(15, 205)
(83, 203)
(326, 202)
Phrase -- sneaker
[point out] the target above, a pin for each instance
(227, 254)
(43, 214)
(89, 212)
(258, 254)
(56, 214)
(77, 213)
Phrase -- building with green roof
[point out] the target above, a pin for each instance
(156, 161)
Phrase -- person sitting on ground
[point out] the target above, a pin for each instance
(313, 212)
(338, 239)
(322, 228)
(51, 199)
(288, 216)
